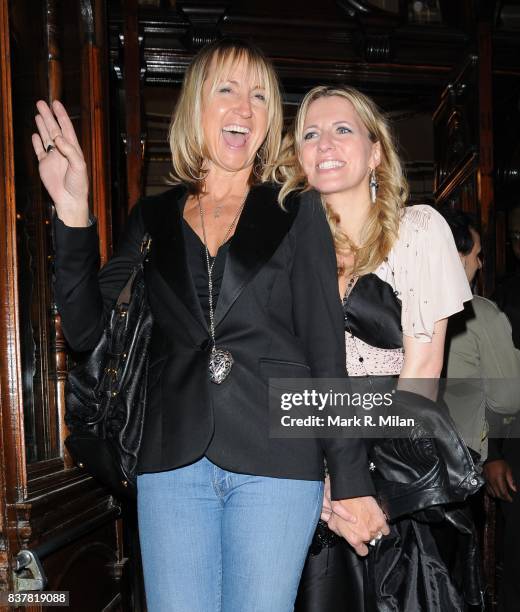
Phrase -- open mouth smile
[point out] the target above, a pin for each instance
(235, 136)
(330, 164)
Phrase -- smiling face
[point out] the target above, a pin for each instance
(335, 150)
(234, 113)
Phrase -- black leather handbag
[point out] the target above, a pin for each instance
(106, 393)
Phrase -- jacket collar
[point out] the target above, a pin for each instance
(260, 230)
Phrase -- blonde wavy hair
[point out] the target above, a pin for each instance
(186, 136)
(382, 227)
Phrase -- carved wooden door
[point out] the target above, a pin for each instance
(58, 528)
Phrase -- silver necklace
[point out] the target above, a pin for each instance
(218, 210)
(220, 359)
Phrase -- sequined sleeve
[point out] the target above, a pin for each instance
(429, 276)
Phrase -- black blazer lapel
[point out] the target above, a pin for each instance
(260, 230)
(163, 219)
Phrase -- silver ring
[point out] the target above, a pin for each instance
(49, 148)
(376, 539)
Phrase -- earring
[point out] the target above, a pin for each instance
(373, 185)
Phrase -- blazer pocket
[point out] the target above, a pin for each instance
(275, 372)
(278, 368)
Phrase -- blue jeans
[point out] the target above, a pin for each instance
(216, 541)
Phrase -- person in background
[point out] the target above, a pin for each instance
(399, 279)
(240, 291)
(508, 290)
(480, 355)
(502, 469)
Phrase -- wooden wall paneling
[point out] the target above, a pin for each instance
(388, 61)
(28, 54)
(133, 112)
(12, 449)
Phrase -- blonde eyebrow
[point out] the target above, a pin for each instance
(233, 82)
(335, 123)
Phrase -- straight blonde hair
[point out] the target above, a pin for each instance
(186, 136)
(382, 227)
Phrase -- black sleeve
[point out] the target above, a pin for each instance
(494, 449)
(83, 293)
(319, 323)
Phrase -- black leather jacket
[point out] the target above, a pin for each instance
(429, 468)
(421, 482)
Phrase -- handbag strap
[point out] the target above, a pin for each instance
(126, 292)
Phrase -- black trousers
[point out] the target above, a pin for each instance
(509, 595)
(332, 581)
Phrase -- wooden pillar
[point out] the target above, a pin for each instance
(94, 116)
(52, 378)
(133, 114)
(13, 482)
(55, 72)
(485, 190)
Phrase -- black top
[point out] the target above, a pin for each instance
(197, 264)
(372, 313)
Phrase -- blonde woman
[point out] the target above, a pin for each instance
(399, 279)
(237, 290)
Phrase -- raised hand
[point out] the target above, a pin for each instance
(61, 164)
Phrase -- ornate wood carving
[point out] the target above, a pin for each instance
(455, 124)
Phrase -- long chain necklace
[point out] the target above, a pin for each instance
(220, 360)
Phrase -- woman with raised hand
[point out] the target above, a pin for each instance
(399, 278)
(238, 294)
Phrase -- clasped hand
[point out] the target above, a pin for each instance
(359, 519)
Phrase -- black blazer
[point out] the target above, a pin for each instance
(278, 313)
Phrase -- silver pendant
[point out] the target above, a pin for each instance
(220, 364)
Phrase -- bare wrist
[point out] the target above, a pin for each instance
(75, 219)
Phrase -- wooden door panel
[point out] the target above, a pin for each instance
(50, 49)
